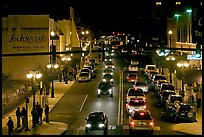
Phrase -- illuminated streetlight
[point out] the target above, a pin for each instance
(183, 65)
(170, 33)
(51, 66)
(34, 75)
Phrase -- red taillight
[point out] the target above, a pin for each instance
(141, 114)
(151, 123)
(132, 123)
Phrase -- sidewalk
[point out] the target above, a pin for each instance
(51, 128)
(194, 128)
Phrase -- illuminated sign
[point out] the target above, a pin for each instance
(193, 57)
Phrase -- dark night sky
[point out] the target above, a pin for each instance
(132, 16)
(102, 15)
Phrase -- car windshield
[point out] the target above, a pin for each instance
(151, 68)
(133, 92)
(84, 74)
(141, 84)
(142, 116)
(176, 98)
(166, 94)
(107, 76)
(96, 117)
(136, 103)
(108, 70)
(104, 84)
(132, 75)
(160, 77)
(167, 87)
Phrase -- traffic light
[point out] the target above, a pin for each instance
(198, 51)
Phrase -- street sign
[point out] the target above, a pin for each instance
(193, 57)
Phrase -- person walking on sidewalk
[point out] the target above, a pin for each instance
(18, 116)
(40, 112)
(198, 98)
(10, 126)
(34, 113)
(46, 113)
(23, 117)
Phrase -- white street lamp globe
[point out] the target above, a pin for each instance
(52, 33)
(29, 76)
(39, 75)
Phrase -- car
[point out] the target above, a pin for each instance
(132, 68)
(108, 71)
(132, 77)
(141, 120)
(149, 68)
(84, 76)
(166, 87)
(107, 77)
(181, 111)
(135, 104)
(172, 100)
(158, 84)
(109, 64)
(135, 93)
(164, 95)
(134, 62)
(97, 120)
(157, 77)
(108, 58)
(142, 85)
(105, 88)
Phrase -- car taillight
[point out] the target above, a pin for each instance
(144, 106)
(151, 123)
(127, 105)
(132, 123)
(141, 114)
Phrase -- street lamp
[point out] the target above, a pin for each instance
(170, 33)
(35, 75)
(52, 66)
(170, 58)
(183, 65)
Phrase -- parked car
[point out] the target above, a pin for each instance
(173, 100)
(164, 95)
(132, 77)
(96, 121)
(135, 104)
(166, 87)
(142, 85)
(141, 120)
(181, 111)
(105, 88)
(157, 77)
(158, 84)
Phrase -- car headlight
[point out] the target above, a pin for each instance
(106, 66)
(110, 90)
(104, 73)
(104, 80)
(112, 66)
(101, 125)
(88, 125)
(105, 59)
(99, 91)
(111, 73)
(111, 80)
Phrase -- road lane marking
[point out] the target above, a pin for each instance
(83, 103)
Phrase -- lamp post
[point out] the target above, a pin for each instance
(170, 58)
(183, 65)
(35, 75)
(52, 66)
(170, 33)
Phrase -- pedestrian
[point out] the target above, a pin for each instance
(46, 113)
(18, 116)
(23, 116)
(37, 118)
(40, 112)
(34, 113)
(74, 73)
(10, 126)
(198, 98)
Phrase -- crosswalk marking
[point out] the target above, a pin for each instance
(112, 127)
